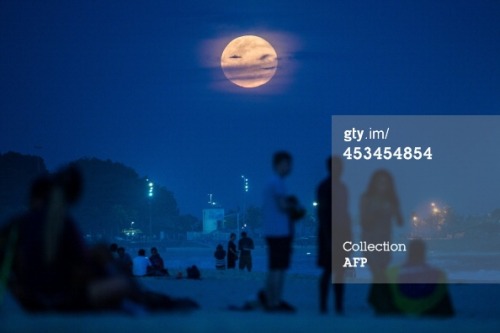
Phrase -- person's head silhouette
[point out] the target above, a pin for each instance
(282, 163)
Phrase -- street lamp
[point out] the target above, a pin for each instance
(211, 202)
(150, 195)
(245, 191)
(245, 183)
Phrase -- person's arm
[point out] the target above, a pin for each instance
(364, 211)
(281, 202)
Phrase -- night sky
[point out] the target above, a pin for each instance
(140, 83)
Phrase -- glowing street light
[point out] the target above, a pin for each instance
(150, 195)
(210, 200)
(246, 187)
(245, 183)
(434, 208)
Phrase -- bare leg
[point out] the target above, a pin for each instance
(271, 287)
(280, 286)
(274, 287)
(339, 292)
(324, 286)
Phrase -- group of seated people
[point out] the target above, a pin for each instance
(141, 265)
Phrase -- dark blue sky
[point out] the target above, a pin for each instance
(138, 82)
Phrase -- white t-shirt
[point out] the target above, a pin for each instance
(275, 221)
(140, 266)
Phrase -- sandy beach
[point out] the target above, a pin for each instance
(477, 307)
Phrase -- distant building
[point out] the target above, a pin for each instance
(212, 218)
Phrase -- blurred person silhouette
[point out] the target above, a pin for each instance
(220, 257)
(9, 235)
(334, 229)
(279, 213)
(53, 269)
(417, 288)
(113, 248)
(379, 208)
(232, 253)
(245, 247)
(157, 264)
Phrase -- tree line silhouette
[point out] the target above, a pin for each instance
(114, 197)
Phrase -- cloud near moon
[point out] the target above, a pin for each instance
(249, 61)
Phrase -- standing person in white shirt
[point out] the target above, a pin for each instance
(141, 264)
(278, 233)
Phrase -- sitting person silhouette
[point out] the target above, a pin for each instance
(157, 267)
(417, 288)
(124, 260)
(141, 265)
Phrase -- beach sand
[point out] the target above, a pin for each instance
(477, 309)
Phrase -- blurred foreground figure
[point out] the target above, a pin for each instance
(52, 269)
(280, 212)
(378, 210)
(334, 230)
(417, 288)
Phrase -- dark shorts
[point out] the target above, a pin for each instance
(279, 252)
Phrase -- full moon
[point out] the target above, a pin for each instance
(249, 61)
